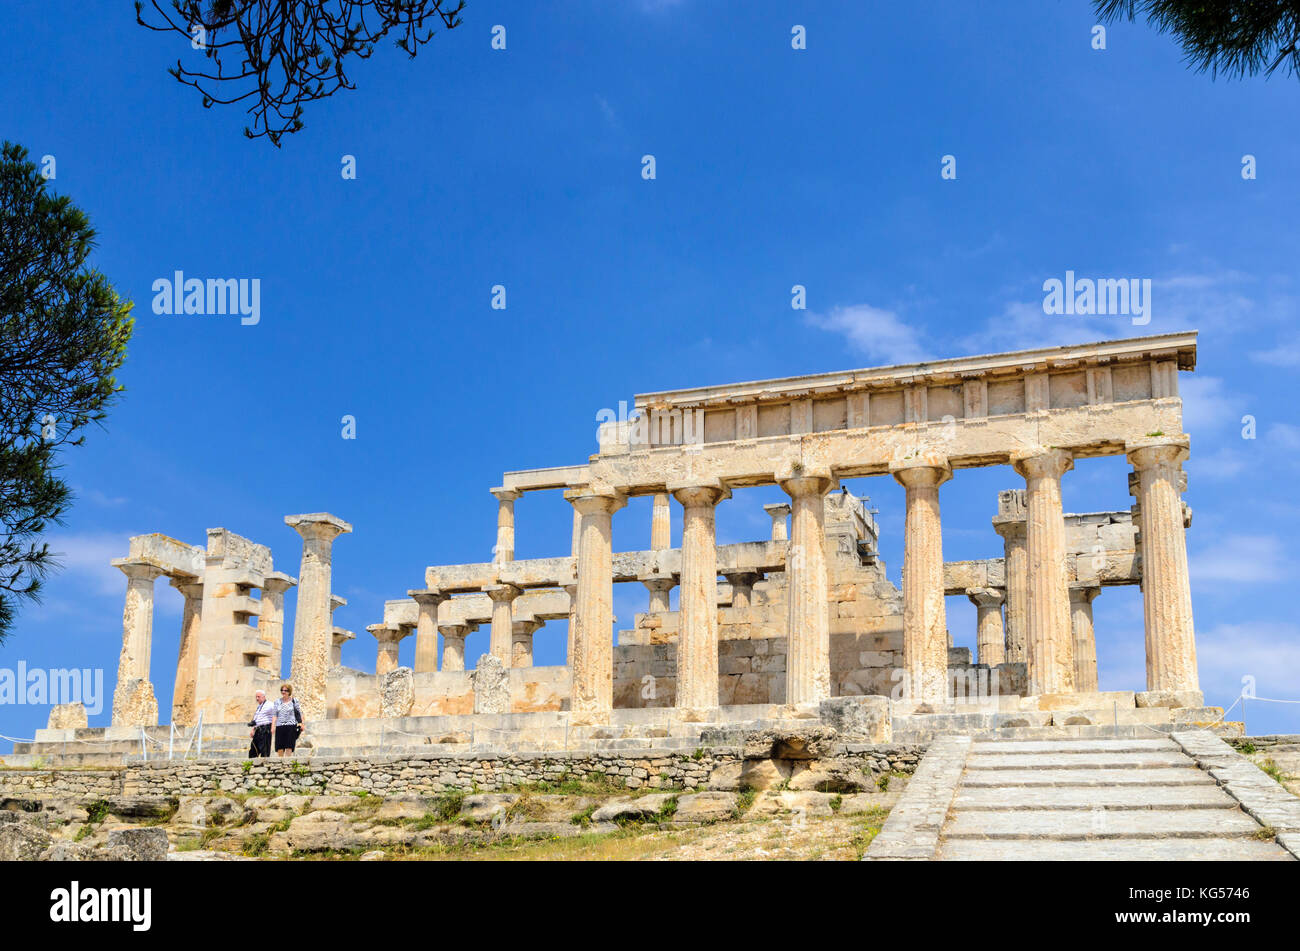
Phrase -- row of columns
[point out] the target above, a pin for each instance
(808, 653)
(1049, 625)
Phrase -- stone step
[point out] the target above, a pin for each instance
(1122, 850)
(1169, 776)
(1143, 759)
(1099, 823)
(1086, 797)
(1070, 745)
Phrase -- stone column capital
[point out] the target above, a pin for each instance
(1084, 594)
(800, 485)
(778, 509)
(692, 494)
(921, 471)
(1152, 451)
(1040, 462)
(388, 633)
(587, 502)
(187, 586)
(277, 582)
(320, 526)
(528, 626)
(427, 597)
(743, 578)
(503, 592)
(506, 495)
(456, 630)
(1009, 527)
(986, 597)
(137, 570)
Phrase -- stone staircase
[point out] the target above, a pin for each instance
(1136, 798)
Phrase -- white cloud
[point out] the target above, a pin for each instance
(1268, 651)
(879, 334)
(1217, 466)
(1241, 559)
(87, 557)
(1208, 404)
(1284, 354)
(1285, 436)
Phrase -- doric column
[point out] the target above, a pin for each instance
(1016, 568)
(990, 642)
(313, 625)
(779, 511)
(503, 599)
(925, 623)
(742, 589)
(521, 647)
(453, 644)
(134, 699)
(660, 587)
(387, 638)
(1166, 588)
(808, 626)
(697, 602)
(187, 659)
(1048, 641)
(661, 523)
(427, 601)
(505, 550)
(591, 657)
(1085, 641)
(270, 623)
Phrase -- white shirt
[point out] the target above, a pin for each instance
(265, 713)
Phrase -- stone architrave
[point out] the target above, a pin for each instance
(184, 697)
(1049, 641)
(925, 625)
(313, 625)
(428, 601)
(134, 703)
(808, 631)
(591, 657)
(505, 547)
(1172, 676)
(491, 682)
(1085, 641)
(697, 640)
(990, 640)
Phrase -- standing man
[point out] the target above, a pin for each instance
(261, 726)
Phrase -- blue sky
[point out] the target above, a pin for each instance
(775, 167)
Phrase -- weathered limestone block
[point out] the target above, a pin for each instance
(866, 718)
(484, 806)
(21, 839)
(137, 705)
(68, 716)
(148, 844)
(705, 807)
(491, 685)
(1170, 698)
(397, 692)
(208, 812)
(803, 803)
(806, 743)
(641, 807)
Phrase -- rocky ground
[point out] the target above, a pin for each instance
(577, 821)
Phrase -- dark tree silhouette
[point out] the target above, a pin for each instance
(1234, 37)
(283, 53)
(63, 333)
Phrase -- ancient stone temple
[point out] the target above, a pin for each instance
(802, 624)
